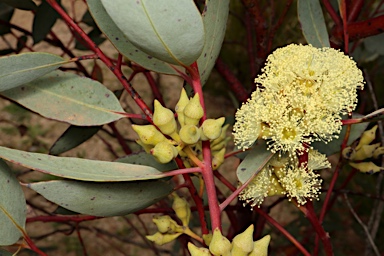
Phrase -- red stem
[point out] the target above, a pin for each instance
(206, 171)
(357, 5)
(120, 139)
(155, 90)
(335, 17)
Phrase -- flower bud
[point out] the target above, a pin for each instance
(182, 209)
(193, 111)
(221, 145)
(211, 128)
(164, 152)
(367, 167)
(261, 246)
(189, 134)
(379, 151)
(148, 134)
(164, 119)
(220, 245)
(367, 137)
(160, 239)
(165, 224)
(196, 251)
(364, 152)
(179, 108)
(222, 137)
(218, 158)
(207, 239)
(348, 152)
(275, 187)
(146, 147)
(242, 244)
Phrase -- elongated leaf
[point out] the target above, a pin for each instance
(170, 30)
(215, 18)
(80, 169)
(5, 253)
(257, 158)
(12, 206)
(334, 146)
(144, 158)
(68, 98)
(103, 199)
(73, 137)
(21, 4)
(312, 23)
(23, 68)
(43, 21)
(122, 44)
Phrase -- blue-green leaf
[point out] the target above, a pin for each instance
(103, 199)
(215, 18)
(121, 42)
(169, 30)
(23, 68)
(312, 23)
(144, 158)
(80, 169)
(68, 98)
(13, 210)
(73, 137)
(257, 158)
(44, 19)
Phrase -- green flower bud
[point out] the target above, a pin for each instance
(378, 152)
(222, 137)
(367, 167)
(211, 128)
(220, 245)
(189, 134)
(348, 152)
(164, 152)
(218, 159)
(275, 188)
(148, 134)
(164, 119)
(221, 145)
(196, 251)
(207, 239)
(260, 247)
(367, 137)
(242, 244)
(165, 224)
(146, 147)
(193, 111)
(364, 152)
(160, 239)
(179, 108)
(182, 209)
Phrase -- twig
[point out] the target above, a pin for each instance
(367, 233)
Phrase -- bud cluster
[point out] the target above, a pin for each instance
(241, 245)
(165, 140)
(363, 151)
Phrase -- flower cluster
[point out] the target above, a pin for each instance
(168, 140)
(300, 98)
(286, 176)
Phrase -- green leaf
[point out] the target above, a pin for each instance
(68, 98)
(334, 146)
(44, 19)
(374, 44)
(80, 169)
(26, 67)
(5, 253)
(21, 4)
(73, 137)
(215, 18)
(6, 13)
(170, 30)
(144, 158)
(122, 44)
(12, 206)
(103, 199)
(257, 158)
(312, 23)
